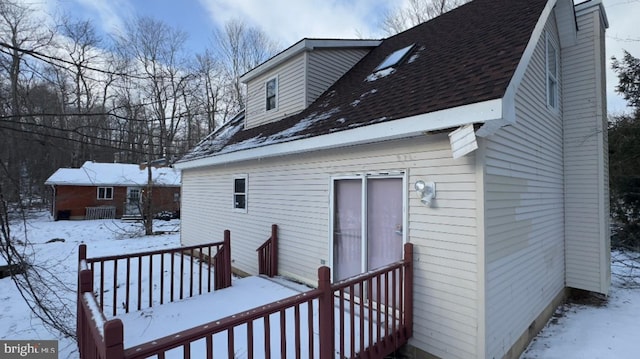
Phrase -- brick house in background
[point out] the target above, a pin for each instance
(111, 190)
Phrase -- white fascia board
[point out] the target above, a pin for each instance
(508, 101)
(304, 45)
(479, 112)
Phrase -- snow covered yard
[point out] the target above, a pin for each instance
(577, 331)
(54, 246)
(597, 329)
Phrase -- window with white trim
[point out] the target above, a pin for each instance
(240, 193)
(272, 93)
(552, 72)
(105, 193)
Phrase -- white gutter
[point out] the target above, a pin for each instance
(480, 112)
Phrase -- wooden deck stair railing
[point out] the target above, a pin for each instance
(268, 254)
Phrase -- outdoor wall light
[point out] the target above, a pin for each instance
(426, 191)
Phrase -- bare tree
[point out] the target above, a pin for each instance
(240, 48)
(81, 44)
(156, 54)
(416, 12)
(38, 285)
(208, 75)
(157, 51)
(19, 29)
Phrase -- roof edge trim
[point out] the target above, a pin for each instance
(509, 108)
(301, 46)
(478, 112)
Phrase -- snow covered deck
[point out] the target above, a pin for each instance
(167, 319)
(164, 309)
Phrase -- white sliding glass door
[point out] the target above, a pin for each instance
(367, 224)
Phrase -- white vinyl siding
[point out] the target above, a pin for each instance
(291, 93)
(294, 191)
(300, 81)
(524, 224)
(552, 67)
(326, 66)
(585, 155)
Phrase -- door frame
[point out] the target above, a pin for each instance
(402, 174)
(127, 204)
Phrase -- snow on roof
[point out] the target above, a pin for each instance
(466, 56)
(113, 174)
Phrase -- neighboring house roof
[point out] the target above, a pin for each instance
(113, 174)
(466, 56)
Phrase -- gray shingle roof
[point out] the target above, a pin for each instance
(465, 56)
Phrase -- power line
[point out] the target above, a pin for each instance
(42, 56)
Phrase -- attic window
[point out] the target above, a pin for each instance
(272, 93)
(395, 58)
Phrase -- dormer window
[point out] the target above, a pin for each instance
(395, 58)
(272, 93)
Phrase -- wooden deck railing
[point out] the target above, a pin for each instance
(380, 310)
(374, 312)
(268, 254)
(98, 338)
(136, 281)
(370, 316)
(100, 212)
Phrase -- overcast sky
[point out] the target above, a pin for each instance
(287, 21)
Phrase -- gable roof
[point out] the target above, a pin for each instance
(113, 174)
(465, 57)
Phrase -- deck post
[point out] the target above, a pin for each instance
(114, 339)
(325, 314)
(274, 251)
(82, 253)
(408, 288)
(85, 284)
(227, 259)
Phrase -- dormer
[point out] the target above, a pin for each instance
(290, 81)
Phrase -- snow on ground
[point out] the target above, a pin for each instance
(597, 330)
(103, 237)
(577, 331)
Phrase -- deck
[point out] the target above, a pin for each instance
(170, 309)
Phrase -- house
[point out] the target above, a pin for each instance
(112, 190)
(478, 136)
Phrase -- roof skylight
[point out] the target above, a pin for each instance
(394, 58)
